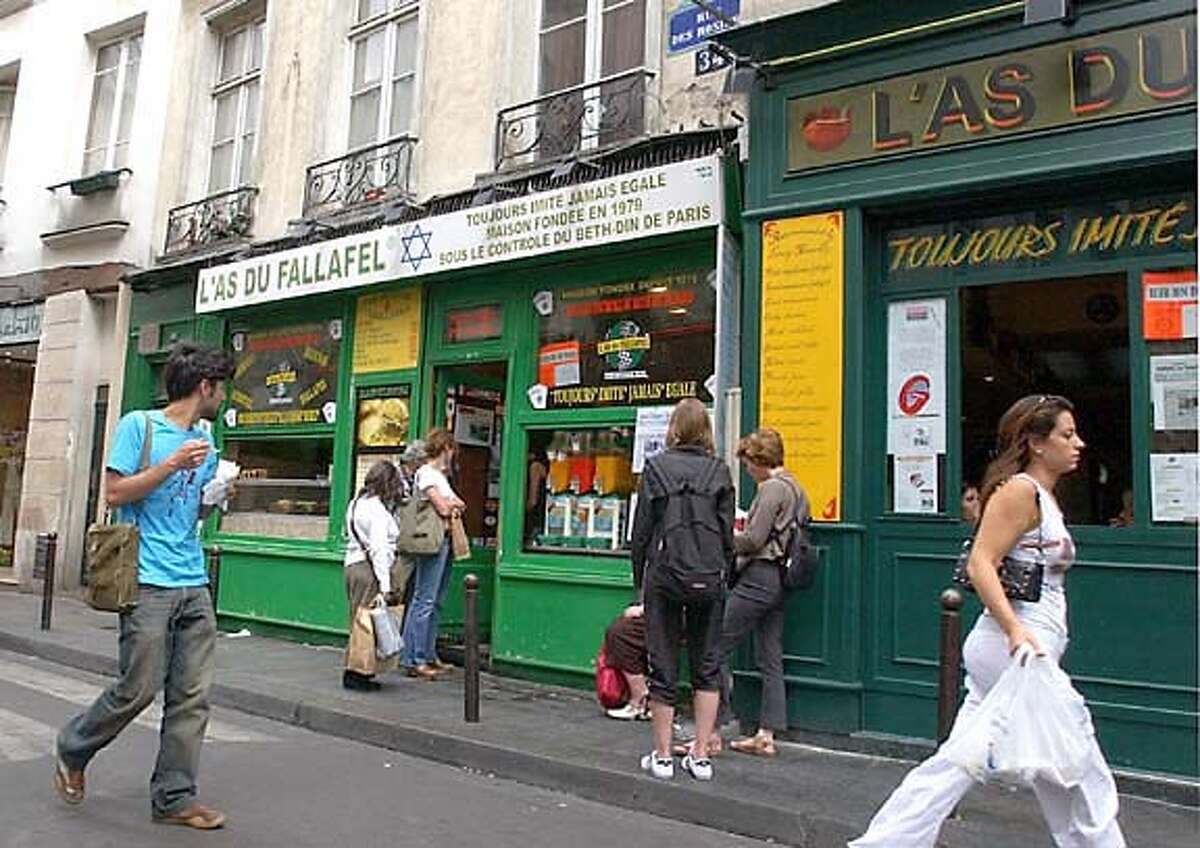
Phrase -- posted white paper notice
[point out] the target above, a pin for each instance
(1174, 486)
(914, 485)
(650, 435)
(917, 377)
(1174, 392)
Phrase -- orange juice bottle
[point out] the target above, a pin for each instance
(608, 465)
(558, 477)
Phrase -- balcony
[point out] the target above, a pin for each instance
(218, 219)
(365, 176)
(584, 117)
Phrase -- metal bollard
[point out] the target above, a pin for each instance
(949, 661)
(214, 574)
(471, 649)
(47, 552)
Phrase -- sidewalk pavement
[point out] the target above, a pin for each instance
(557, 738)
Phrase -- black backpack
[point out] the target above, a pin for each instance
(688, 558)
(800, 557)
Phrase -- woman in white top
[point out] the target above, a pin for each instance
(1038, 444)
(370, 549)
(431, 574)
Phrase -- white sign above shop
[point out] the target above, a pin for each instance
(655, 201)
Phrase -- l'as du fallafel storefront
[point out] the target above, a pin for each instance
(947, 210)
(556, 324)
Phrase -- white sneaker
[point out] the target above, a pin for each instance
(661, 767)
(626, 713)
(701, 769)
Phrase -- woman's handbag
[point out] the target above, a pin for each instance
(458, 538)
(612, 690)
(422, 530)
(1022, 581)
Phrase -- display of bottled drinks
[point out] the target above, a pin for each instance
(588, 482)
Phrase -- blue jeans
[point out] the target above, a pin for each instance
(430, 578)
(167, 640)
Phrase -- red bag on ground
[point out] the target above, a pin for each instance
(611, 689)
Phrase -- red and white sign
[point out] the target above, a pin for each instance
(1169, 305)
(914, 394)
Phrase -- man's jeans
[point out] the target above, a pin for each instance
(167, 639)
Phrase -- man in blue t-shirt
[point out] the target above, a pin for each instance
(169, 637)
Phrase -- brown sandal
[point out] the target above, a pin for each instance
(685, 748)
(196, 816)
(69, 784)
(755, 745)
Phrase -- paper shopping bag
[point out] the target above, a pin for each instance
(360, 649)
(458, 538)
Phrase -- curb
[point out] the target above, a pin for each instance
(671, 800)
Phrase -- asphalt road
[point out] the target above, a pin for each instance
(281, 786)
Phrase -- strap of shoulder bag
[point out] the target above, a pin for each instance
(147, 441)
(354, 530)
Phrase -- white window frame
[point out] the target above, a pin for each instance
(396, 13)
(241, 84)
(9, 89)
(114, 129)
(593, 52)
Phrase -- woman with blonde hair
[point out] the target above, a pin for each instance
(681, 549)
(1020, 520)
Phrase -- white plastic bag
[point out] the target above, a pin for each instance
(388, 642)
(1032, 724)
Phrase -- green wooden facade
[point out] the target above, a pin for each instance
(861, 647)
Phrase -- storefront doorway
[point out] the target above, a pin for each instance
(16, 387)
(469, 401)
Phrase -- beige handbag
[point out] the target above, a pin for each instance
(112, 554)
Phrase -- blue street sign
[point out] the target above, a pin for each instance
(690, 26)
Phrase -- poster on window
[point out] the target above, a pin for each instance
(383, 416)
(286, 375)
(645, 342)
(650, 434)
(473, 425)
(915, 485)
(1169, 305)
(1174, 391)
(917, 377)
(1174, 486)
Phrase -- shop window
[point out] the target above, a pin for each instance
(283, 489)
(643, 342)
(474, 324)
(285, 376)
(382, 420)
(1169, 328)
(579, 489)
(1067, 337)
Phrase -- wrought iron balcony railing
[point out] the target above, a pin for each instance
(222, 217)
(367, 175)
(591, 115)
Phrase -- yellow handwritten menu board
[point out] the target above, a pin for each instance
(387, 331)
(800, 386)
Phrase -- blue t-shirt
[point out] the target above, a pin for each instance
(170, 553)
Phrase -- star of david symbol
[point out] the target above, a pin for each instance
(416, 246)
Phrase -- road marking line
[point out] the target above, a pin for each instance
(23, 738)
(83, 694)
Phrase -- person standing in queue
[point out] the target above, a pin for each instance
(168, 639)
(431, 574)
(371, 550)
(1038, 444)
(682, 548)
(756, 603)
